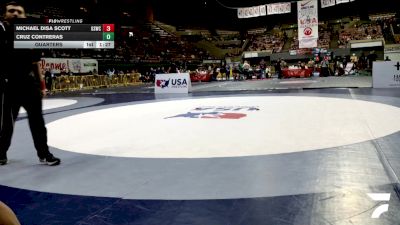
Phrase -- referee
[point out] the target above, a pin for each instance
(21, 84)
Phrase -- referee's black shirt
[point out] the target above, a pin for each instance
(16, 64)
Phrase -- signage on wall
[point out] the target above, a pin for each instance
(386, 74)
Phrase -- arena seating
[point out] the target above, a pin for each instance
(323, 41)
(267, 42)
(359, 32)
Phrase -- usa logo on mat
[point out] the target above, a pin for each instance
(212, 112)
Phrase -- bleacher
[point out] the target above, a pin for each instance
(323, 41)
(267, 42)
(359, 32)
(228, 39)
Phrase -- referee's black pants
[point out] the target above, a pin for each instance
(29, 96)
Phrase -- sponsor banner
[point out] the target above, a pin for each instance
(172, 83)
(343, 1)
(386, 74)
(307, 23)
(327, 3)
(251, 12)
(279, 8)
(211, 61)
(320, 50)
(251, 54)
(58, 65)
(263, 10)
(304, 51)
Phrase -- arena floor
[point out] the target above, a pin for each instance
(321, 151)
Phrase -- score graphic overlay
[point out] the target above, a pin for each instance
(64, 36)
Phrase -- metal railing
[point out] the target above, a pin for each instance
(73, 83)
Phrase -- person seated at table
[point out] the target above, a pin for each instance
(236, 73)
(257, 72)
(268, 72)
(354, 58)
(340, 69)
(303, 66)
(311, 63)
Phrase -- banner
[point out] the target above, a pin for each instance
(343, 1)
(307, 13)
(172, 83)
(279, 8)
(327, 3)
(386, 74)
(58, 65)
(263, 10)
(251, 12)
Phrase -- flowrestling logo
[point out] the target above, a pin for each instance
(172, 83)
(214, 112)
(380, 197)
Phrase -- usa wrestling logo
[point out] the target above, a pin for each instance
(231, 113)
(162, 83)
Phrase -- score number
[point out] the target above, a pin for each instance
(108, 36)
(108, 32)
(108, 27)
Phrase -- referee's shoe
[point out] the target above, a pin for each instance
(3, 161)
(50, 160)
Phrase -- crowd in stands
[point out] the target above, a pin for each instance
(323, 41)
(325, 65)
(359, 32)
(229, 44)
(391, 28)
(234, 53)
(267, 42)
(143, 45)
(138, 45)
